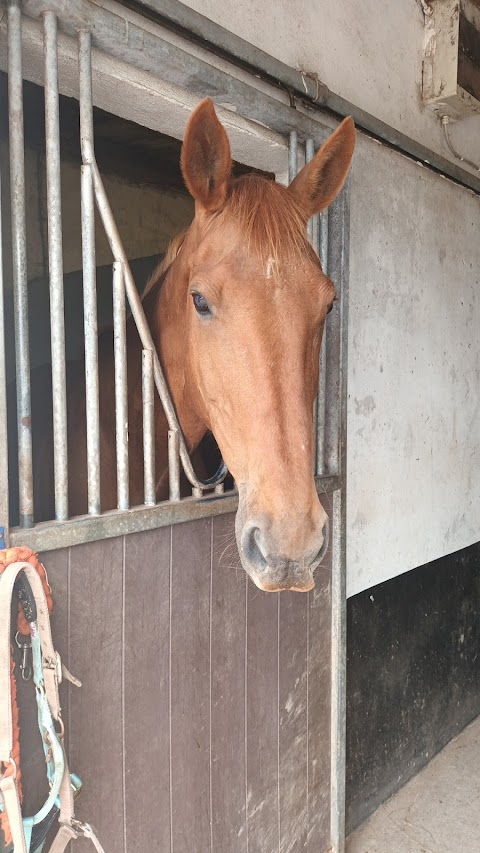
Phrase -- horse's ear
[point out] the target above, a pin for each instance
(320, 181)
(206, 161)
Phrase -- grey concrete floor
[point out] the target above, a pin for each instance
(436, 812)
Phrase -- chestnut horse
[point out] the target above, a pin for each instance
(236, 313)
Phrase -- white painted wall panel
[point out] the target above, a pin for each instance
(414, 367)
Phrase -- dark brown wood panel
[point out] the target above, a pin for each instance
(146, 689)
(203, 723)
(227, 691)
(262, 720)
(96, 639)
(293, 710)
(190, 686)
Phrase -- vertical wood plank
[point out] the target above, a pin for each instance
(190, 687)
(262, 720)
(293, 710)
(319, 704)
(146, 686)
(96, 736)
(227, 699)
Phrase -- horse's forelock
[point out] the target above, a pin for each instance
(272, 222)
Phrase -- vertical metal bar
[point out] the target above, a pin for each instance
(91, 342)
(319, 404)
(86, 96)
(338, 685)
(121, 398)
(89, 280)
(339, 528)
(55, 266)
(173, 465)
(333, 335)
(19, 252)
(309, 155)
(148, 390)
(4, 518)
(323, 255)
(292, 155)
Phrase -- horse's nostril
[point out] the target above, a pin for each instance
(252, 548)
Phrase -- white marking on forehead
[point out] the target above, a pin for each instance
(270, 265)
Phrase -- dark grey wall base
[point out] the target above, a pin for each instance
(413, 674)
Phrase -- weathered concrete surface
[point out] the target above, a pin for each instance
(437, 812)
(414, 367)
(369, 54)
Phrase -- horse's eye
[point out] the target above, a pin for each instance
(331, 306)
(201, 305)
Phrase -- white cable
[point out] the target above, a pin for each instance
(427, 10)
(445, 122)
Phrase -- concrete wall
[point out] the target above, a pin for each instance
(414, 367)
(369, 53)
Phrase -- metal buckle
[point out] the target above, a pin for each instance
(54, 663)
(81, 828)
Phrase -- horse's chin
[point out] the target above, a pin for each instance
(265, 585)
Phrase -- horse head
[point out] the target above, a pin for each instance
(243, 309)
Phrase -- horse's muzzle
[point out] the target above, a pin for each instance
(274, 572)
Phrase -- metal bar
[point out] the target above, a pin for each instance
(173, 465)
(339, 557)
(148, 400)
(51, 535)
(89, 280)
(91, 341)
(321, 399)
(319, 403)
(19, 252)
(338, 685)
(121, 397)
(86, 95)
(4, 510)
(309, 155)
(333, 335)
(111, 231)
(292, 155)
(55, 266)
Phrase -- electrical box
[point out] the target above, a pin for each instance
(451, 58)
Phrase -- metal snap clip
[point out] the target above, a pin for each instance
(25, 666)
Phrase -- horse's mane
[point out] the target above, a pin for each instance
(272, 223)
